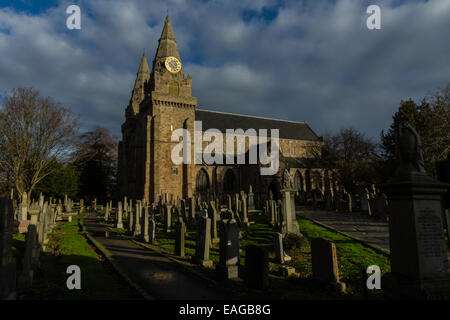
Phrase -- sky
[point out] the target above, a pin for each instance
(299, 60)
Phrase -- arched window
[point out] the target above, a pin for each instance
(228, 181)
(202, 182)
(298, 181)
(174, 89)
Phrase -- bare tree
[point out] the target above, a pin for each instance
(34, 132)
(351, 157)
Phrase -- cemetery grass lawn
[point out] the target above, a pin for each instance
(353, 257)
(68, 246)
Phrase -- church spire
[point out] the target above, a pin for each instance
(143, 75)
(167, 46)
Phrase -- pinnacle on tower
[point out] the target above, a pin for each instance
(143, 75)
(167, 44)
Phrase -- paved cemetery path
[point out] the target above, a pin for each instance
(369, 229)
(153, 272)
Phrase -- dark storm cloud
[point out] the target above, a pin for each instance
(311, 61)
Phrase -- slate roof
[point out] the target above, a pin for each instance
(223, 121)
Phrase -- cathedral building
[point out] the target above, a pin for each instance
(161, 102)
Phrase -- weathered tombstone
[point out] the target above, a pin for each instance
(251, 199)
(26, 277)
(7, 261)
(151, 231)
(192, 208)
(137, 222)
(203, 241)
(24, 207)
(179, 238)
(364, 198)
(119, 224)
(289, 222)
(348, 202)
(228, 266)
(34, 213)
(256, 267)
(324, 262)
(229, 202)
(167, 217)
(278, 246)
(130, 219)
(418, 253)
(106, 212)
(41, 200)
(145, 225)
(244, 210)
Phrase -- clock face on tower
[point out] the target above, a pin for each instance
(173, 64)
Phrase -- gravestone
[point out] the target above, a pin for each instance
(228, 266)
(256, 267)
(151, 231)
(145, 217)
(418, 253)
(130, 219)
(251, 199)
(289, 222)
(244, 210)
(203, 239)
(26, 277)
(24, 207)
(7, 261)
(106, 212)
(229, 202)
(192, 208)
(137, 220)
(364, 197)
(324, 262)
(278, 246)
(34, 212)
(119, 224)
(167, 217)
(179, 238)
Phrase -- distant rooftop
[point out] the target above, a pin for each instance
(223, 120)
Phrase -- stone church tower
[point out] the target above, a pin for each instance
(161, 102)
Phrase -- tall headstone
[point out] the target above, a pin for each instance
(7, 261)
(278, 246)
(229, 259)
(167, 217)
(251, 199)
(244, 210)
(179, 238)
(26, 277)
(324, 262)
(137, 223)
(203, 241)
(24, 207)
(289, 222)
(119, 224)
(145, 217)
(256, 267)
(151, 231)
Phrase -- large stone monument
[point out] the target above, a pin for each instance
(289, 222)
(419, 260)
